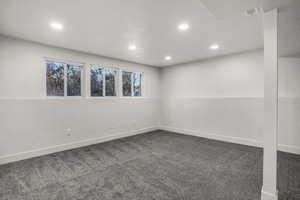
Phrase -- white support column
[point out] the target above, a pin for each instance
(269, 190)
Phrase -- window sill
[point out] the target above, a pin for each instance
(133, 97)
(99, 98)
(64, 97)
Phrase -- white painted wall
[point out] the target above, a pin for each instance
(222, 98)
(218, 98)
(231, 76)
(289, 103)
(32, 124)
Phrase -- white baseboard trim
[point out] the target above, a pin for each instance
(289, 149)
(71, 145)
(268, 196)
(237, 140)
(77, 144)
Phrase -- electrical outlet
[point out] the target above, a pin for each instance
(68, 131)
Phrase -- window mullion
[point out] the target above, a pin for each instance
(104, 90)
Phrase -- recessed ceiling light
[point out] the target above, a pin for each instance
(251, 12)
(132, 47)
(214, 47)
(168, 58)
(183, 26)
(56, 26)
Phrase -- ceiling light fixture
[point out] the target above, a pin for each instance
(132, 47)
(183, 26)
(214, 47)
(56, 26)
(168, 58)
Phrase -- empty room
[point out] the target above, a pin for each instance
(150, 100)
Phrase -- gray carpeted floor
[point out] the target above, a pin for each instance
(153, 166)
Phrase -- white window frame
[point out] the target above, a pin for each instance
(65, 64)
(117, 81)
(142, 83)
(86, 80)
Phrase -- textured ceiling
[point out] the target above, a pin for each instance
(107, 27)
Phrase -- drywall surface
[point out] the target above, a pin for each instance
(222, 98)
(33, 124)
(289, 103)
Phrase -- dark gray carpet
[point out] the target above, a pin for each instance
(153, 166)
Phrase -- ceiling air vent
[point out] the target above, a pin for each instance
(251, 12)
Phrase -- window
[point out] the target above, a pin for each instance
(132, 83)
(137, 84)
(103, 82)
(96, 82)
(55, 79)
(74, 80)
(127, 77)
(110, 80)
(63, 79)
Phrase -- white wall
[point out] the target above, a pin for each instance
(32, 124)
(289, 104)
(222, 98)
(218, 98)
(232, 76)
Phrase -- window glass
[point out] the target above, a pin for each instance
(55, 79)
(110, 82)
(127, 83)
(73, 80)
(96, 82)
(137, 84)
